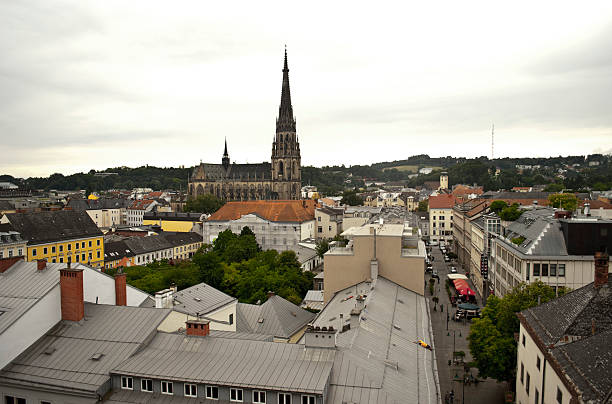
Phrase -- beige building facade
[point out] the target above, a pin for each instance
(392, 251)
(106, 218)
(328, 222)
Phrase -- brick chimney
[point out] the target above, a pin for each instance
(198, 328)
(41, 264)
(601, 269)
(71, 289)
(6, 263)
(120, 289)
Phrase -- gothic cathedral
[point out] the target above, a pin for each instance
(280, 179)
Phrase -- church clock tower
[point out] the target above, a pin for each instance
(286, 161)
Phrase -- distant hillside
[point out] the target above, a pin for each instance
(571, 172)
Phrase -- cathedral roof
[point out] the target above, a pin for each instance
(260, 171)
(274, 211)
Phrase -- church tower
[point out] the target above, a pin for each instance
(286, 161)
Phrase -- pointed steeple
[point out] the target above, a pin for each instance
(285, 121)
(225, 160)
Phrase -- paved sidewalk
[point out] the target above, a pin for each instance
(488, 391)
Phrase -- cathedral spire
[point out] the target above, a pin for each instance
(285, 121)
(225, 160)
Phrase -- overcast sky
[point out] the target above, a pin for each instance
(87, 84)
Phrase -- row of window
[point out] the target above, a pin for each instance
(211, 392)
(559, 396)
(20, 400)
(547, 270)
(10, 253)
(45, 250)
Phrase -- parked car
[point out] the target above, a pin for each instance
(453, 270)
(446, 258)
(429, 268)
(433, 243)
(435, 275)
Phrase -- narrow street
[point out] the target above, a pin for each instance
(449, 336)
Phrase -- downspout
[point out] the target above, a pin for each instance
(543, 378)
(374, 244)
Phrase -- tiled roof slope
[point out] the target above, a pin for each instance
(277, 316)
(117, 332)
(141, 204)
(274, 211)
(201, 298)
(45, 227)
(182, 238)
(442, 201)
(587, 361)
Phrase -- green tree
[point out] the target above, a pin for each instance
(510, 213)
(491, 338)
(211, 270)
(498, 206)
(205, 203)
(564, 201)
(423, 205)
(322, 247)
(351, 198)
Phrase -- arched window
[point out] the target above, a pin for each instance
(281, 168)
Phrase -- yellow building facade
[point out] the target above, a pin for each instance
(89, 250)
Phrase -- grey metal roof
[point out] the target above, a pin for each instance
(232, 362)
(62, 359)
(22, 286)
(141, 245)
(364, 369)
(303, 253)
(201, 298)
(137, 397)
(543, 234)
(277, 316)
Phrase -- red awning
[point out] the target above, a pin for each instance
(463, 288)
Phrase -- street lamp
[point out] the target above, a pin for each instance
(462, 381)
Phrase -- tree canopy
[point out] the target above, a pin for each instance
(205, 203)
(351, 198)
(563, 201)
(491, 338)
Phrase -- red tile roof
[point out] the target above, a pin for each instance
(275, 211)
(443, 201)
(141, 204)
(596, 204)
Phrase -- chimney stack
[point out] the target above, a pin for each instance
(587, 209)
(270, 294)
(341, 328)
(71, 289)
(120, 288)
(360, 302)
(319, 337)
(197, 328)
(41, 264)
(601, 269)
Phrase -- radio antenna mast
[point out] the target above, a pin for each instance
(492, 141)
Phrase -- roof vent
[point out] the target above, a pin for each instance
(97, 356)
(49, 350)
(197, 299)
(260, 320)
(397, 327)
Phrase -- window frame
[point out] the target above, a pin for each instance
(126, 385)
(191, 387)
(212, 389)
(259, 393)
(284, 395)
(142, 382)
(169, 387)
(309, 399)
(236, 399)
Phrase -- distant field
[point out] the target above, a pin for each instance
(410, 169)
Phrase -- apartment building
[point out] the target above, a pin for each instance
(564, 354)
(59, 236)
(545, 245)
(11, 242)
(137, 210)
(278, 225)
(173, 221)
(440, 210)
(105, 212)
(463, 215)
(393, 251)
(328, 222)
